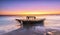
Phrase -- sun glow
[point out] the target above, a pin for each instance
(28, 13)
(39, 13)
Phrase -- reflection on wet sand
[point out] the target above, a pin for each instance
(35, 30)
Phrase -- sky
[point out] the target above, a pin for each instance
(18, 7)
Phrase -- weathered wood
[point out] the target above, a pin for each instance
(29, 23)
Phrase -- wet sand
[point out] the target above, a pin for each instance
(53, 31)
(32, 31)
(24, 31)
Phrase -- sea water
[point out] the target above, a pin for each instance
(8, 23)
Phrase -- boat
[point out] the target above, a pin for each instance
(31, 21)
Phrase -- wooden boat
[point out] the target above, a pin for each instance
(31, 22)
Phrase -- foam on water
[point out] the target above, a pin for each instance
(9, 23)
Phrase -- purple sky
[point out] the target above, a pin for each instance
(30, 6)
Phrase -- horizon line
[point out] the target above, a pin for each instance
(31, 15)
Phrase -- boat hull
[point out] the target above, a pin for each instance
(30, 23)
